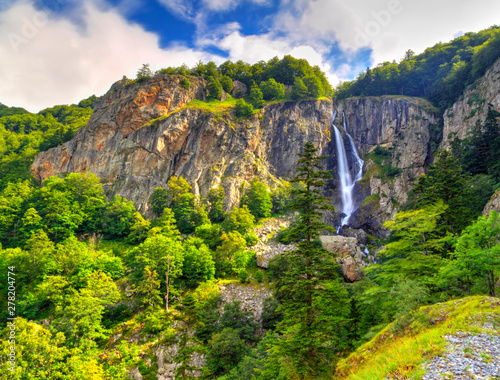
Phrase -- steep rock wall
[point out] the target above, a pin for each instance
(143, 133)
(403, 125)
(472, 107)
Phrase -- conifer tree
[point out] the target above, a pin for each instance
(315, 305)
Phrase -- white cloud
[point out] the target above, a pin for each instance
(47, 62)
(388, 27)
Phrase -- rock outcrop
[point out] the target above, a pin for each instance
(350, 256)
(472, 107)
(143, 133)
(493, 204)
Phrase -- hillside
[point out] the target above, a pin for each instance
(451, 340)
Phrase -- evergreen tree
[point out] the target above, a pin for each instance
(216, 199)
(315, 306)
(214, 88)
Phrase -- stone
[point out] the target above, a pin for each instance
(134, 374)
(493, 204)
(240, 89)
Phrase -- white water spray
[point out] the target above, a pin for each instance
(346, 181)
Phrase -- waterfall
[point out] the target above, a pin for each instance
(346, 181)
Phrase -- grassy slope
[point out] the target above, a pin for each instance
(402, 346)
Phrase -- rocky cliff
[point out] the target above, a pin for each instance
(407, 130)
(143, 133)
(472, 107)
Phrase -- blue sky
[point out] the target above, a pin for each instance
(60, 51)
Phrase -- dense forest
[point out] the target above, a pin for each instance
(441, 73)
(99, 287)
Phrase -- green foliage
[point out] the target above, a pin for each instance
(225, 352)
(280, 197)
(243, 109)
(476, 260)
(185, 83)
(159, 199)
(149, 289)
(240, 220)
(314, 304)
(216, 201)
(232, 256)
(214, 88)
(144, 73)
(117, 217)
(446, 181)
(258, 199)
(255, 97)
(187, 344)
(43, 354)
(440, 73)
(270, 315)
(163, 255)
(227, 83)
(23, 135)
(198, 263)
(272, 90)
(299, 89)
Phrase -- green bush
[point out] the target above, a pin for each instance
(243, 109)
(185, 83)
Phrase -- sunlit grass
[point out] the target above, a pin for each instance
(399, 352)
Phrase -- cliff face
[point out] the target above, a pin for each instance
(405, 128)
(143, 133)
(472, 107)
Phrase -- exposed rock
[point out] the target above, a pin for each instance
(401, 124)
(472, 107)
(143, 133)
(134, 374)
(251, 296)
(493, 204)
(349, 255)
(240, 89)
(360, 235)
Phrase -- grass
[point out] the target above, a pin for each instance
(399, 352)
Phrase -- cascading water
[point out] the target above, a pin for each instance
(346, 181)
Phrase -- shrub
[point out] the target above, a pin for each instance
(185, 83)
(243, 109)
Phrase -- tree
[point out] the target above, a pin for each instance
(227, 83)
(149, 288)
(477, 254)
(314, 87)
(216, 199)
(144, 73)
(299, 89)
(243, 109)
(214, 88)
(187, 343)
(226, 351)
(255, 96)
(418, 245)
(315, 306)
(239, 219)
(272, 90)
(164, 255)
(198, 263)
(232, 256)
(117, 217)
(258, 199)
(159, 200)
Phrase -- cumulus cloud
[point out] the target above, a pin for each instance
(47, 60)
(388, 27)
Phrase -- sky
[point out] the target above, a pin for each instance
(61, 51)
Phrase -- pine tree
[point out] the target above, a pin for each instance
(315, 306)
